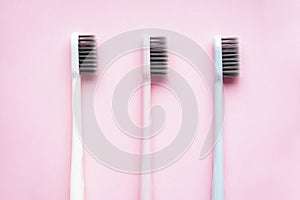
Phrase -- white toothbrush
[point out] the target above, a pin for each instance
(226, 59)
(84, 61)
(154, 64)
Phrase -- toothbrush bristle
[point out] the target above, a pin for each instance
(158, 56)
(230, 57)
(87, 48)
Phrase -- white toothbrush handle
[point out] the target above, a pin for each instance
(218, 168)
(146, 162)
(77, 176)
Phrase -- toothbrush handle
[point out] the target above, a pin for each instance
(77, 176)
(218, 168)
(146, 162)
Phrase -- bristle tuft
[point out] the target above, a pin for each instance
(158, 56)
(230, 57)
(87, 47)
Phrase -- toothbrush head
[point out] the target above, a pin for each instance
(230, 57)
(158, 56)
(87, 50)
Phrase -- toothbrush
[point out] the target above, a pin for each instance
(226, 59)
(154, 64)
(84, 61)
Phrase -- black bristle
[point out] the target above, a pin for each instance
(87, 49)
(230, 57)
(158, 56)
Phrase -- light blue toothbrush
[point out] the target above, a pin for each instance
(226, 60)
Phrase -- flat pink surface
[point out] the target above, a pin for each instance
(262, 109)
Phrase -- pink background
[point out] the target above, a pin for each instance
(262, 109)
